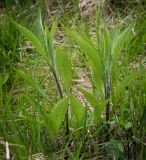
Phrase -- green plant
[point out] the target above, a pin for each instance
(111, 73)
(43, 42)
(41, 114)
(102, 59)
(57, 60)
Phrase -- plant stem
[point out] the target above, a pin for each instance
(107, 96)
(84, 129)
(58, 84)
(61, 96)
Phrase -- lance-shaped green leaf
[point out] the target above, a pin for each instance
(98, 107)
(98, 110)
(63, 68)
(89, 97)
(53, 29)
(31, 81)
(38, 30)
(107, 58)
(97, 81)
(118, 42)
(77, 108)
(49, 46)
(32, 38)
(88, 49)
(58, 113)
(94, 58)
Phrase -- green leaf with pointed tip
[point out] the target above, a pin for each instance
(98, 110)
(107, 44)
(32, 38)
(118, 42)
(89, 97)
(98, 107)
(97, 81)
(94, 58)
(120, 147)
(88, 49)
(31, 81)
(53, 29)
(38, 29)
(77, 108)
(63, 68)
(49, 47)
(58, 113)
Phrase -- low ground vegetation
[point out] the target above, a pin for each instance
(72, 87)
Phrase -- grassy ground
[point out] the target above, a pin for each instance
(76, 90)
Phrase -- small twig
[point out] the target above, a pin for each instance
(7, 151)
(10, 144)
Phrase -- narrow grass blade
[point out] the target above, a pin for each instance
(126, 82)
